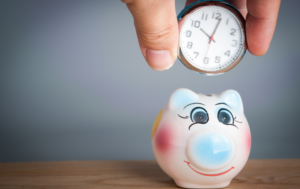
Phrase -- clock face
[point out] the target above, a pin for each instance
(211, 38)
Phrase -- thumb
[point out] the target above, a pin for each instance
(157, 31)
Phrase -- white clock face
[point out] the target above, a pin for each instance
(211, 38)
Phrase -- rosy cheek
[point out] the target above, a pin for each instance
(248, 141)
(163, 139)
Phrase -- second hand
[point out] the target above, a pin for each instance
(212, 37)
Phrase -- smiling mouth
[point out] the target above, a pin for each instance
(210, 175)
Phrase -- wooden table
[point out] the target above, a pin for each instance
(257, 174)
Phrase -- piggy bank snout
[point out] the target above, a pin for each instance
(210, 151)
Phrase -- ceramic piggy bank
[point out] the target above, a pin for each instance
(202, 141)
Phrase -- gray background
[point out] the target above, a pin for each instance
(74, 85)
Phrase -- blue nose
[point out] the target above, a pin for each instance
(210, 151)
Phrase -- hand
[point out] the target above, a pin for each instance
(207, 35)
(157, 29)
(212, 36)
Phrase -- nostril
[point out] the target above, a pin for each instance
(210, 150)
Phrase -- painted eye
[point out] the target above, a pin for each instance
(225, 117)
(199, 115)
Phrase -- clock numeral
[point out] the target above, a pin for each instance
(196, 54)
(227, 53)
(196, 24)
(204, 16)
(189, 45)
(227, 21)
(218, 16)
(218, 59)
(188, 33)
(233, 31)
(206, 60)
(234, 43)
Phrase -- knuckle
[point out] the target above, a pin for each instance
(158, 38)
(130, 1)
(127, 1)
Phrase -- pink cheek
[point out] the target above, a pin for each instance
(163, 139)
(248, 142)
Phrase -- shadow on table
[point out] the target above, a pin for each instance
(141, 174)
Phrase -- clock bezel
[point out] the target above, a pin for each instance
(241, 21)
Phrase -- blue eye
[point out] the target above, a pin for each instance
(199, 115)
(225, 117)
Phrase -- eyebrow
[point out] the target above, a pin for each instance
(194, 103)
(223, 103)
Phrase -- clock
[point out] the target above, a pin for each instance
(211, 37)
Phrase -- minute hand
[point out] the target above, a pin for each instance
(212, 36)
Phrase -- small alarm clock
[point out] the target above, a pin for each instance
(212, 37)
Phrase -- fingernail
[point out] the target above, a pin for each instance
(159, 60)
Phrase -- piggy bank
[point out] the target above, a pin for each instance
(202, 141)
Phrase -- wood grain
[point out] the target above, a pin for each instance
(257, 174)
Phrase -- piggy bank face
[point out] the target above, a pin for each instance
(202, 141)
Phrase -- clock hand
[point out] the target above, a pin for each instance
(207, 35)
(207, 50)
(211, 38)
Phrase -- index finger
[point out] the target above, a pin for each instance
(260, 24)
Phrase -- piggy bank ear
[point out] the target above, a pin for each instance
(181, 97)
(233, 99)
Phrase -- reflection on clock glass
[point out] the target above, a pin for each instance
(211, 38)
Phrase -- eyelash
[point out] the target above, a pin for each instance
(237, 121)
(187, 117)
(234, 120)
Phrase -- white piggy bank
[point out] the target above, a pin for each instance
(202, 141)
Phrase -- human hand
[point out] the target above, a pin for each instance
(157, 28)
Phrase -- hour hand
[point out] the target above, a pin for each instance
(206, 34)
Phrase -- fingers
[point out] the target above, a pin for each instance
(260, 24)
(189, 2)
(241, 5)
(157, 31)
